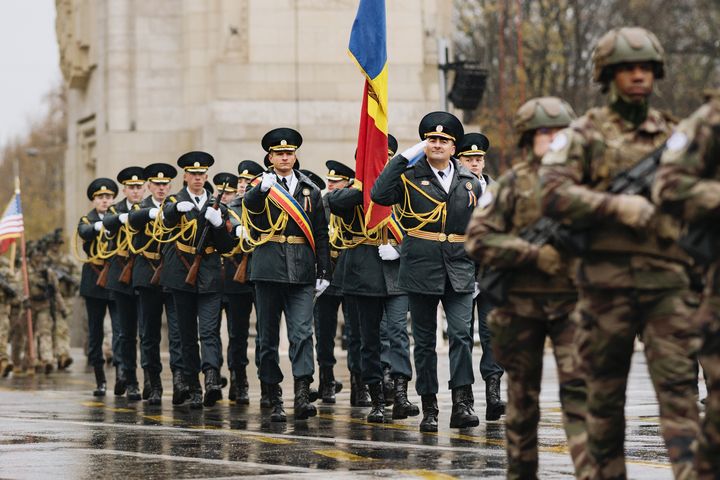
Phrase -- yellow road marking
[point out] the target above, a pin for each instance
(275, 441)
(93, 404)
(343, 456)
(160, 418)
(428, 474)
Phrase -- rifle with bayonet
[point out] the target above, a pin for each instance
(191, 277)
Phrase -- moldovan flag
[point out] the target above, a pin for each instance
(368, 48)
(11, 223)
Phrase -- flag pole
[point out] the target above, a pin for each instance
(26, 289)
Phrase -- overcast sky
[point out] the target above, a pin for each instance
(29, 62)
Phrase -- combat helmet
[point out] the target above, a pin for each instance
(548, 112)
(626, 45)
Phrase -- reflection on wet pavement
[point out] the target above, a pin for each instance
(53, 427)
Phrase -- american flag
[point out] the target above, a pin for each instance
(11, 223)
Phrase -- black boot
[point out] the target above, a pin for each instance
(133, 389)
(377, 413)
(100, 382)
(275, 395)
(120, 382)
(232, 394)
(213, 388)
(429, 422)
(240, 392)
(146, 384)
(180, 388)
(327, 385)
(359, 396)
(495, 405)
(402, 407)
(265, 400)
(195, 392)
(156, 390)
(388, 389)
(463, 414)
(303, 408)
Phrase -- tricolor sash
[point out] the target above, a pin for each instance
(287, 203)
(395, 228)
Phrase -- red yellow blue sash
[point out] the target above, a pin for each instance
(285, 202)
(395, 228)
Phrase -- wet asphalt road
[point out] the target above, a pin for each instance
(52, 427)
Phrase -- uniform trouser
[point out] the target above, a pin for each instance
(296, 301)
(609, 322)
(708, 454)
(458, 309)
(395, 324)
(519, 341)
(42, 333)
(352, 323)
(385, 343)
(115, 327)
(4, 330)
(96, 308)
(238, 325)
(152, 301)
(325, 314)
(128, 309)
(61, 332)
(488, 365)
(198, 314)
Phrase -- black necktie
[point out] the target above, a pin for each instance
(284, 183)
(442, 175)
(197, 200)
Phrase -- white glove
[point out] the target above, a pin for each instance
(240, 232)
(388, 253)
(98, 226)
(414, 151)
(214, 216)
(185, 206)
(268, 180)
(153, 213)
(123, 218)
(477, 290)
(320, 285)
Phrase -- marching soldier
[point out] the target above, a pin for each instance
(101, 193)
(541, 295)
(632, 277)
(8, 293)
(152, 297)
(119, 278)
(66, 271)
(687, 186)
(435, 197)
(192, 272)
(284, 215)
(43, 287)
(471, 154)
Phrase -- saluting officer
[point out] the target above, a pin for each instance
(190, 218)
(290, 266)
(101, 193)
(151, 296)
(435, 197)
(133, 182)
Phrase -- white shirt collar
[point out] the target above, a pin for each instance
(447, 179)
(291, 181)
(157, 204)
(202, 198)
(129, 204)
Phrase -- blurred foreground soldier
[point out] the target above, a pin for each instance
(199, 234)
(471, 153)
(65, 269)
(153, 298)
(632, 275)
(119, 278)
(541, 295)
(101, 193)
(284, 216)
(688, 186)
(8, 294)
(435, 197)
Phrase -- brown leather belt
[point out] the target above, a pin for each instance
(291, 239)
(192, 250)
(372, 242)
(438, 236)
(151, 255)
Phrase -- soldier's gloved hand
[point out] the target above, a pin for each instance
(123, 218)
(320, 285)
(388, 253)
(153, 213)
(268, 180)
(477, 290)
(214, 216)
(98, 226)
(240, 232)
(414, 151)
(185, 206)
(548, 260)
(635, 211)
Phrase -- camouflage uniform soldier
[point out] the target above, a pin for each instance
(68, 283)
(541, 295)
(688, 186)
(632, 279)
(43, 288)
(7, 293)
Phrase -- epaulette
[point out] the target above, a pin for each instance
(112, 209)
(172, 198)
(85, 220)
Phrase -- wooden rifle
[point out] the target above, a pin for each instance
(192, 274)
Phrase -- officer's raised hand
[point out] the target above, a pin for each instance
(268, 180)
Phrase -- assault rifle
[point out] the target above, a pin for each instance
(191, 277)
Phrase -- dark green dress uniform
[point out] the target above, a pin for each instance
(197, 305)
(153, 298)
(434, 266)
(97, 299)
(285, 271)
(123, 293)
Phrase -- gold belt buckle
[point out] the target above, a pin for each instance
(282, 239)
(442, 237)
